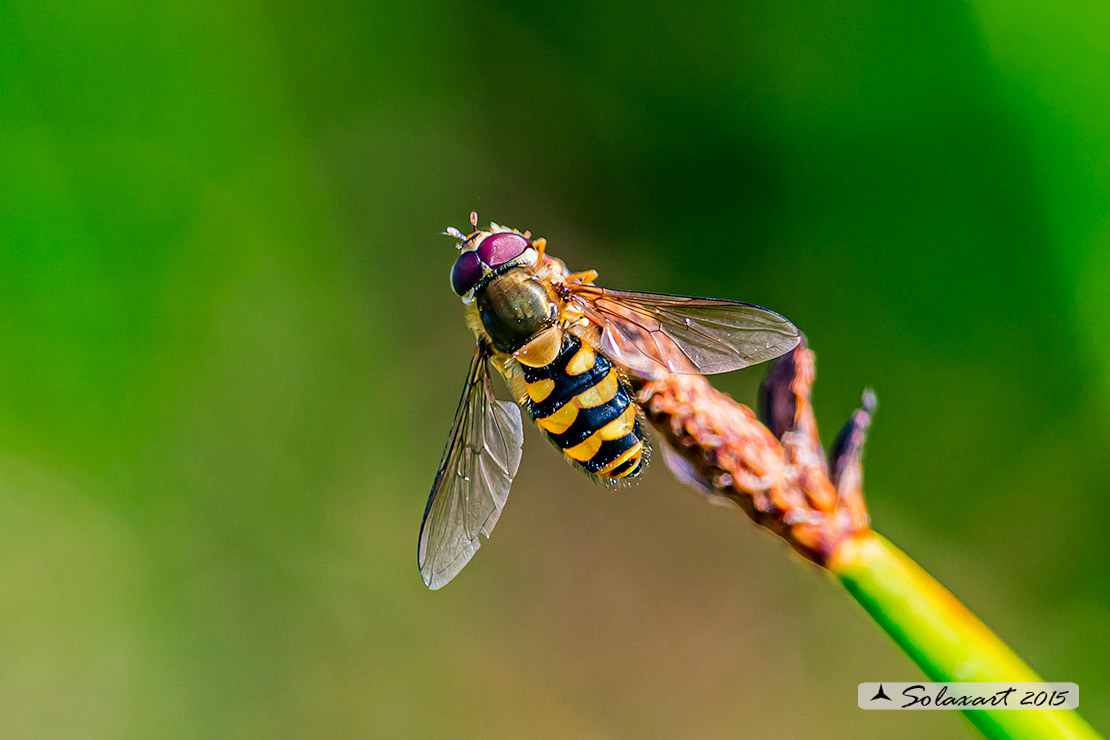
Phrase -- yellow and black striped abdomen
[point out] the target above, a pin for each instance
(586, 408)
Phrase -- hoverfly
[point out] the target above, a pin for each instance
(566, 348)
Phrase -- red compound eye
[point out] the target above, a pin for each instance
(497, 249)
(466, 273)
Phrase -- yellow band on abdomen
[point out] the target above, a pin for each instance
(584, 451)
(631, 453)
(540, 390)
(601, 393)
(561, 420)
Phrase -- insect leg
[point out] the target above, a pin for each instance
(539, 245)
(586, 278)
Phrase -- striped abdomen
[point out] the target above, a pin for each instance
(586, 408)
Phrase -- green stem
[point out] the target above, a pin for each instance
(946, 640)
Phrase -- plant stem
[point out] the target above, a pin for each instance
(947, 641)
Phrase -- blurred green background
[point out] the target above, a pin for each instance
(229, 354)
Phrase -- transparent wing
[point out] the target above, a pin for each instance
(649, 332)
(481, 458)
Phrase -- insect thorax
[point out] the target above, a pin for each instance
(515, 307)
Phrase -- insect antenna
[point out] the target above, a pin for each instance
(452, 231)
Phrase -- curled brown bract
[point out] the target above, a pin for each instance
(779, 478)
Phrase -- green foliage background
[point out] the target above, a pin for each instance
(229, 354)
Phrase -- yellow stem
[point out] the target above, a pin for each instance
(946, 640)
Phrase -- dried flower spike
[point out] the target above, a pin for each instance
(777, 475)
